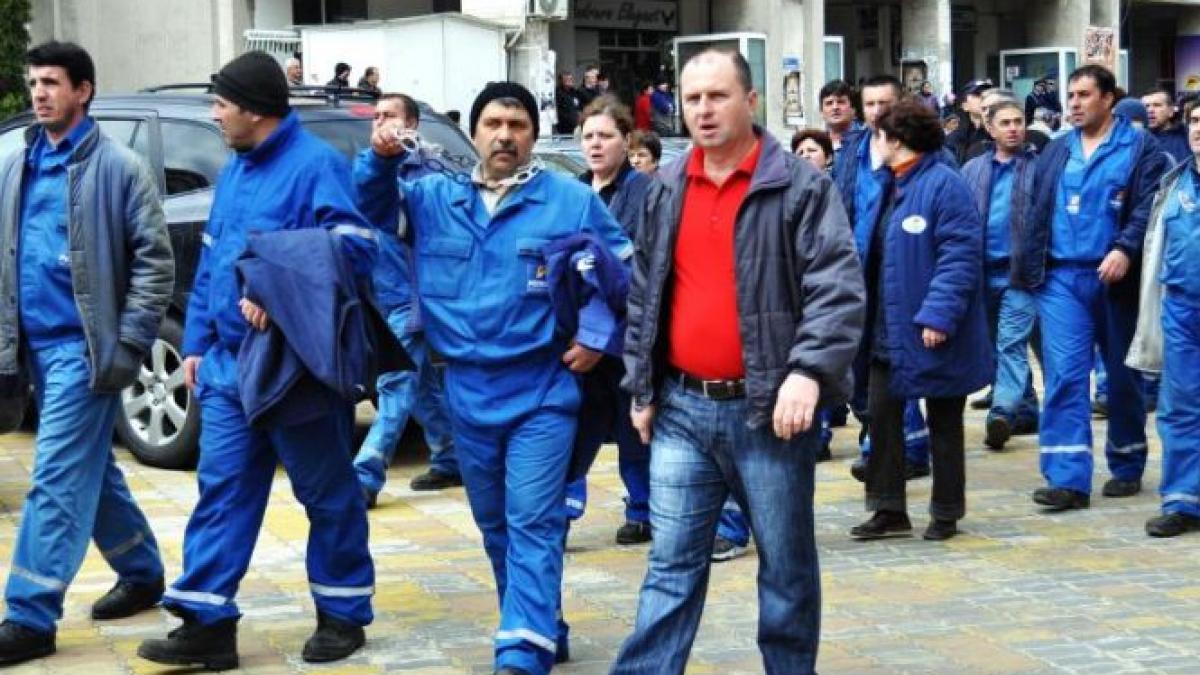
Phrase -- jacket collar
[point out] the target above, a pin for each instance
(83, 148)
(770, 172)
(927, 160)
(536, 190)
(288, 127)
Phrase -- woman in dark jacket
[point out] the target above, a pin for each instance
(605, 126)
(926, 327)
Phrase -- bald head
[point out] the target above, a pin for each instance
(718, 98)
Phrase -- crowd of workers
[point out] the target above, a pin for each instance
(714, 316)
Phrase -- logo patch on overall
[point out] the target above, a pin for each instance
(1118, 199)
(914, 224)
(537, 279)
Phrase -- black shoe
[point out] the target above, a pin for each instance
(562, 649)
(1116, 487)
(914, 471)
(1025, 426)
(20, 643)
(212, 646)
(940, 530)
(725, 550)
(127, 598)
(435, 480)
(1172, 525)
(1061, 499)
(838, 417)
(882, 525)
(858, 469)
(824, 454)
(333, 640)
(984, 403)
(633, 533)
(997, 433)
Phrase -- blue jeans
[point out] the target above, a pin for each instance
(416, 392)
(700, 453)
(1012, 313)
(1077, 315)
(77, 494)
(1179, 406)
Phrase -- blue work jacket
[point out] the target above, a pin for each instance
(1130, 217)
(932, 277)
(290, 181)
(978, 175)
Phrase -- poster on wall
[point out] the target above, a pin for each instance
(1100, 47)
(1187, 63)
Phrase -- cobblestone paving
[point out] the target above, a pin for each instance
(1018, 592)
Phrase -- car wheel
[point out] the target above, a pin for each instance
(159, 420)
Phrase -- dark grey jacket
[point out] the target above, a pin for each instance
(800, 295)
(121, 264)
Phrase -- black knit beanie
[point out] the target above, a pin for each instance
(255, 82)
(498, 90)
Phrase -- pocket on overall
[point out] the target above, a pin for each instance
(442, 269)
(536, 280)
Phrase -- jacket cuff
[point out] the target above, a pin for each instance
(929, 319)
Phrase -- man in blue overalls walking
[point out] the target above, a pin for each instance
(1168, 336)
(281, 178)
(1092, 194)
(481, 275)
(401, 393)
(81, 228)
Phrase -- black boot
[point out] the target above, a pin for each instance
(127, 598)
(333, 640)
(19, 643)
(212, 646)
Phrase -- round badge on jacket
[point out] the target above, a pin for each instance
(914, 224)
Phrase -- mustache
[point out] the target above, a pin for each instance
(509, 147)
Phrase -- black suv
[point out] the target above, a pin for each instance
(172, 129)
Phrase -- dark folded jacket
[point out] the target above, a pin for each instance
(589, 286)
(321, 345)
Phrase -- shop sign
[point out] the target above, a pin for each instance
(642, 15)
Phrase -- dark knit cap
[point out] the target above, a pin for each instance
(255, 82)
(498, 90)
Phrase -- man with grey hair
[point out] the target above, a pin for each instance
(295, 72)
(728, 368)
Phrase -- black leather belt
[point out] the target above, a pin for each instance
(717, 390)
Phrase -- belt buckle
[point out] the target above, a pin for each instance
(718, 390)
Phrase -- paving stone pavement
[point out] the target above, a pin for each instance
(1017, 592)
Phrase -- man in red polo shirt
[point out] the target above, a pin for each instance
(745, 312)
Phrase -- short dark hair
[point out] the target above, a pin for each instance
(836, 88)
(648, 140)
(1160, 90)
(817, 136)
(1102, 76)
(885, 80)
(412, 111)
(341, 68)
(914, 125)
(740, 64)
(68, 56)
(611, 107)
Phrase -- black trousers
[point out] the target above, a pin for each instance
(885, 465)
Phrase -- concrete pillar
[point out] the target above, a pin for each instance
(925, 36)
(1057, 23)
(532, 63)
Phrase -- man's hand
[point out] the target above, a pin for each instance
(932, 337)
(190, 365)
(255, 316)
(385, 143)
(796, 405)
(1114, 267)
(643, 421)
(580, 359)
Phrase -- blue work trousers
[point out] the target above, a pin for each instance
(1012, 313)
(604, 415)
(77, 494)
(402, 393)
(1179, 405)
(236, 469)
(700, 453)
(732, 525)
(1076, 315)
(515, 476)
